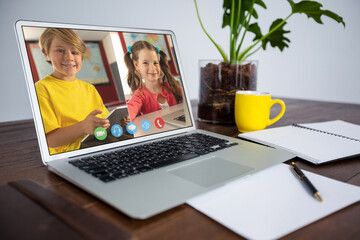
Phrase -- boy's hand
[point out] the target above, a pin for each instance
(91, 122)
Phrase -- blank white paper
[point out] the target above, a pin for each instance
(273, 203)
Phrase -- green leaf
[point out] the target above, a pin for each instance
(245, 9)
(277, 38)
(312, 10)
(254, 28)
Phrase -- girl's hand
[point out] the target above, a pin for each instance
(125, 121)
(91, 122)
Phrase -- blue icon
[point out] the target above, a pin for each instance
(131, 128)
(116, 130)
(145, 125)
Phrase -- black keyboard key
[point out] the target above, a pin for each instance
(88, 166)
(107, 178)
(202, 152)
(95, 170)
(77, 163)
(132, 172)
(120, 174)
(144, 168)
(100, 174)
(162, 164)
(186, 156)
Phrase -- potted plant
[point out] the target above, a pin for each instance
(221, 79)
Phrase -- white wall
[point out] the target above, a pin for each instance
(322, 62)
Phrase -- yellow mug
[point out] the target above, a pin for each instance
(252, 110)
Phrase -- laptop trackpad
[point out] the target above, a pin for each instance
(210, 171)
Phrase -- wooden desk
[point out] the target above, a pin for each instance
(20, 159)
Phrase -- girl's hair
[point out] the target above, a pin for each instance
(66, 35)
(134, 78)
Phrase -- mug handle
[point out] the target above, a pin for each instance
(282, 104)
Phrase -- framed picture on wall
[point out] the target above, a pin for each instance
(93, 68)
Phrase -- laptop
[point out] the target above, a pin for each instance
(166, 164)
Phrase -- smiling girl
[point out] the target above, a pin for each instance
(70, 108)
(150, 80)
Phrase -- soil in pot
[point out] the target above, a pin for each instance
(219, 83)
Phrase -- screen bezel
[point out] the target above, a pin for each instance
(46, 157)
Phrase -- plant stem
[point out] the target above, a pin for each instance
(247, 24)
(241, 56)
(252, 53)
(216, 45)
(232, 16)
(238, 19)
(236, 30)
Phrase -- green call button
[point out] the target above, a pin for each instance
(100, 133)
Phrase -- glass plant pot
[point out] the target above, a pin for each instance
(219, 82)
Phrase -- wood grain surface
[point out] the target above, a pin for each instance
(20, 159)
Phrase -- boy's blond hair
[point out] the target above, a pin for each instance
(66, 35)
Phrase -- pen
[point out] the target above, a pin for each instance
(302, 177)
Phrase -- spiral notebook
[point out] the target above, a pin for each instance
(315, 142)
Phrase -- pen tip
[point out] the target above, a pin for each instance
(318, 196)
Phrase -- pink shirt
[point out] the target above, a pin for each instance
(143, 101)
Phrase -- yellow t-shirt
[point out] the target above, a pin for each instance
(64, 103)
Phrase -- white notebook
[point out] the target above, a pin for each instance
(273, 203)
(315, 142)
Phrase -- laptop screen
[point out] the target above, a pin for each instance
(95, 87)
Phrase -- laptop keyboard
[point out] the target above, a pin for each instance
(180, 118)
(134, 160)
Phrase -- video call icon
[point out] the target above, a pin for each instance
(131, 128)
(145, 125)
(116, 130)
(100, 133)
